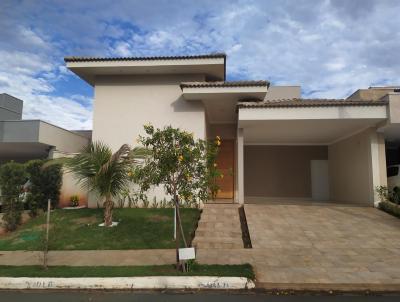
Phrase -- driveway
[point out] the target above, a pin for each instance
(302, 246)
(349, 246)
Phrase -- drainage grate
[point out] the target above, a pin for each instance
(245, 230)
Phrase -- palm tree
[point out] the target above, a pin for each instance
(99, 170)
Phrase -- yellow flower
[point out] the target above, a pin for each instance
(180, 158)
(218, 138)
(218, 143)
(215, 165)
(130, 174)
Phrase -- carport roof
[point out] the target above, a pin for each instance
(289, 103)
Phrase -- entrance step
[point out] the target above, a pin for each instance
(219, 227)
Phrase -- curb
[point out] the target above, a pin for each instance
(162, 282)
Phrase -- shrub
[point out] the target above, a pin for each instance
(12, 179)
(45, 184)
(386, 194)
(390, 208)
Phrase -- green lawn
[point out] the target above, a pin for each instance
(79, 230)
(244, 270)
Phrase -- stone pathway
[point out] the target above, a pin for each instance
(90, 258)
(219, 228)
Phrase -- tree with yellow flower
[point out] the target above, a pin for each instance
(179, 163)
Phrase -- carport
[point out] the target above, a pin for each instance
(311, 150)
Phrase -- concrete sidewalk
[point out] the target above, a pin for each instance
(90, 258)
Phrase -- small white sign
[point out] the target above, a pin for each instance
(187, 253)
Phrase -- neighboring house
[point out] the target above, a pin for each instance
(23, 140)
(276, 146)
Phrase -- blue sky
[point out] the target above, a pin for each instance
(329, 47)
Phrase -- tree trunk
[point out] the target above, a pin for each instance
(108, 208)
(179, 221)
(177, 241)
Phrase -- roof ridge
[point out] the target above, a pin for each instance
(203, 84)
(299, 102)
(144, 58)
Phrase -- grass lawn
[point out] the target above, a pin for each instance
(243, 270)
(79, 230)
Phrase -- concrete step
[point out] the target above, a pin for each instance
(213, 245)
(219, 225)
(211, 233)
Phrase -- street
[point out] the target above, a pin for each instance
(102, 296)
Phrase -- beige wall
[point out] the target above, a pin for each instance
(356, 166)
(70, 186)
(279, 171)
(123, 104)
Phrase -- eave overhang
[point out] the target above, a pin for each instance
(212, 66)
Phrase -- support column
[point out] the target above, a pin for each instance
(377, 165)
(240, 167)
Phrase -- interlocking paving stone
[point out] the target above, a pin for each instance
(318, 244)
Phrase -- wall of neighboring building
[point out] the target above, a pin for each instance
(371, 94)
(123, 104)
(283, 92)
(279, 171)
(356, 166)
(10, 107)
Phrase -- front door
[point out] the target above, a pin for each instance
(225, 163)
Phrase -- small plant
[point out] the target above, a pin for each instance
(163, 203)
(74, 200)
(145, 203)
(191, 264)
(154, 204)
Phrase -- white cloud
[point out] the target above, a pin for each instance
(329, 47)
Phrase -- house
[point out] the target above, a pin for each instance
(275, 145)
(22, 140)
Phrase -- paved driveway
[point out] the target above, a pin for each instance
(348, 246)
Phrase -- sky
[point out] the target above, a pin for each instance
(329, 47)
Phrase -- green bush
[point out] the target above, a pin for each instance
(390, 207)
(386, 194)
(12, 179)
(45, 183)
